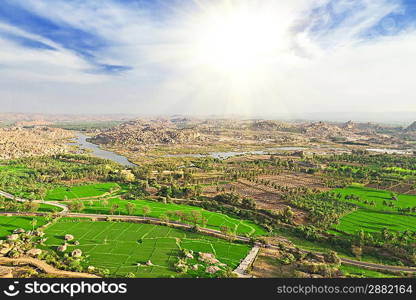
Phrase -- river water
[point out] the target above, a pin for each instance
(81, 141)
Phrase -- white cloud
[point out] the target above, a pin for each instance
(327, 70)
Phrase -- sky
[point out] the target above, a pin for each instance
(269, 58)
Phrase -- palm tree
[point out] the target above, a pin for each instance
(33, 223)
(146, 210)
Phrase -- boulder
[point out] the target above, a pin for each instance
(91, 269)
(149, 263)
(208, 258)
(212, 269)
(40, 233)
(13, 237)
(76, 253)
(34, 252)
(195, 267)
(69, 237)
(5, 250)
(62, 248)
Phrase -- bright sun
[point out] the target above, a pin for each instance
(236, 40)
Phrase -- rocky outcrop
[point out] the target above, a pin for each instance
(62, 248)
(69, 237)
(16, 142)
(207, 258)
(76, 253)
(147, 133)
(34, 252)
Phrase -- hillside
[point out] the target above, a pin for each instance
(142, 132)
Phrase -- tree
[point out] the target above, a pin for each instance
(164, 218)
(195, 216)
(76, 205)
(131, 208)
(204, 221)
(332, 258)
(248, 203)
(225, 230)
(357, 251)
(33, 223)
(113, 208)
(146, 210)
(104, 202)
(42, 193)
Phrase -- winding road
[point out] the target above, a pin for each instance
(61, 206)
(44, 267)
(65, 212)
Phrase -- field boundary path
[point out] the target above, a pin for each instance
(61, 206)
(65, 212)
(241, 270)
(44, 267)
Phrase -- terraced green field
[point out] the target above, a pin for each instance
(215, 220)
(356, 271)
(375, 218)
(48, 208)
(371, 221)
(119, 246)
(8, 224)
(378, 196)
(81, 191)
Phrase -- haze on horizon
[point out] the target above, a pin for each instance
(288, 58)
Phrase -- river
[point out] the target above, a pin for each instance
(81, 141)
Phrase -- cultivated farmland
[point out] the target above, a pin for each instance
(8, 224)
(213, 219)
(126, 247)
(81, 191)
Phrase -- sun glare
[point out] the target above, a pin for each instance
(233, 41)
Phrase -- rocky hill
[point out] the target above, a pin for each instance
(141, 132)
(16, 142)
(274, 126)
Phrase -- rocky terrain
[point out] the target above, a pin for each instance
(16, 142)
(188, 131)
(142, 132)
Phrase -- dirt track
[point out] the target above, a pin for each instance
(44, 267)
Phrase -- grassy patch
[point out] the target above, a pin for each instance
(119, 246)
(214, 220)
(353, 271)
(378, 196)
(375, 218)
(373, 221)
(8, 224)
(80, 191)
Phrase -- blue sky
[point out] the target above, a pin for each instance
(137, 56)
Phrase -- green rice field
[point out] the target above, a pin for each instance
(360, 272)
(214, 220)
(375, 218)
(8, 224)
(120, 246)
(372, 221)
(80, 191)
(378, 196)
